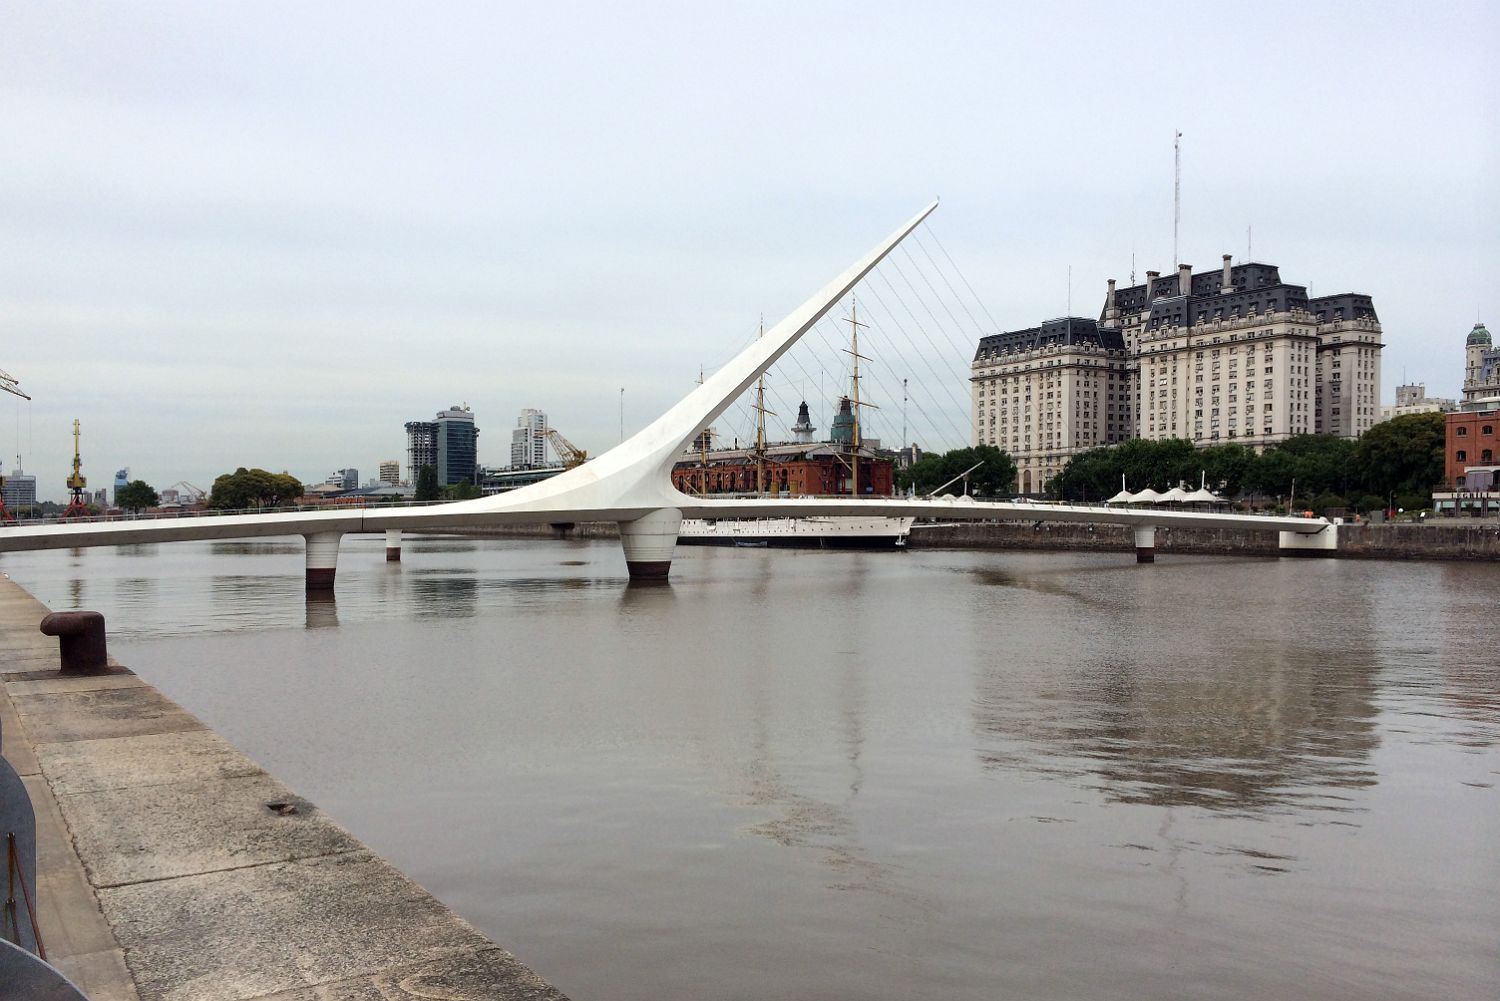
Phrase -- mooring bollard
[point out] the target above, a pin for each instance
(80, 640)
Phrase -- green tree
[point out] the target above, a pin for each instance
(253, 488)
(995, 477)
(136, 495)
(1403, 455)
(427, 488)
(1315, 463)
(462, 490)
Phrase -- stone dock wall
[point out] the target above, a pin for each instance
(1478, 541)
(1396, 541)
(171, 866)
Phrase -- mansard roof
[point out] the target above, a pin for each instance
(1256, 288)
(1067, 331)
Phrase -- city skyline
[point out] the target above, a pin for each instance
(243, 221)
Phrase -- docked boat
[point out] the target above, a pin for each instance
(851, 532)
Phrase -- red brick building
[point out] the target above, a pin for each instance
(1471, 441)
(801, 469)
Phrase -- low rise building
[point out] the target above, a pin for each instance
(1413, 399)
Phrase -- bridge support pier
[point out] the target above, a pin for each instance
(393, 545)
(649, 542)
(1324, 543)
(1145, 544)
(322, 559)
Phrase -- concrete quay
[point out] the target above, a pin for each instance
(171, 866)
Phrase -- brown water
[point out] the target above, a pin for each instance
(897, 775)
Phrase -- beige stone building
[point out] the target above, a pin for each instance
(1231, 355)
(1048, 392)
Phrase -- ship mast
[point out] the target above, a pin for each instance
(853, 352)
(760, 424)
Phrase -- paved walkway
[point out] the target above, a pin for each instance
(170, 865)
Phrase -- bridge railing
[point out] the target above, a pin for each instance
(210, 512)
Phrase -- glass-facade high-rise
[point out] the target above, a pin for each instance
(449, 443)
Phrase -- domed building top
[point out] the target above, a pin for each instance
(1479, 336)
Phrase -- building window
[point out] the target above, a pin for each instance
(1487, 429)
(1462, 432)
(1460, 456)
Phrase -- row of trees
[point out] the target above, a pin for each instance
(1400, 459)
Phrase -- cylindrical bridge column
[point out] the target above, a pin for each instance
(393, 545)
(322, 559)
(649, 542)
(1145, 544)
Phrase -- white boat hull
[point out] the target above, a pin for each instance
(800, 533)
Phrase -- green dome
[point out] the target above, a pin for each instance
(1479, 335)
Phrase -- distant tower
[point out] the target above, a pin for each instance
(390, 472)
(803, 429)
(1481, 365)
(843, 423)
(122, 477)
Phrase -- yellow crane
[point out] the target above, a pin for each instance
(570, 454)
(77, 506)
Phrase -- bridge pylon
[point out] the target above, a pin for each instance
(649, 542)
(322, 559)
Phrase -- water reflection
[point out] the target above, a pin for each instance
(1250, 718)
(440, 592)
(322, 610)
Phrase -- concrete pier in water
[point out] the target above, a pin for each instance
(170, 865)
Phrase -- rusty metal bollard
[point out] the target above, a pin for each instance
(80, 639)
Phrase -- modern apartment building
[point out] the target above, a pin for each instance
(528, 441)
(1232, 355)
(449, 443)
(390, 472)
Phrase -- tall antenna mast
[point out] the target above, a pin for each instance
(1176, 192)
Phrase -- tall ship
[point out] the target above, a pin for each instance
(844, 465)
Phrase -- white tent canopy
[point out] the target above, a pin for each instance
(1203, 496)
(1123, 497)
(1174, 496)
(1147, 496)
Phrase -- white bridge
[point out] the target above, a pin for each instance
(631, 484)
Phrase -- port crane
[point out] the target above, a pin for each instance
(77, 506)
(11, 385)
(570, 454)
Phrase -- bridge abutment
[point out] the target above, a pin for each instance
(322, 559)
(1145, 544)
(1324, 543)
(649, 542)
(393, 545)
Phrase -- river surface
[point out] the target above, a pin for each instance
(931, 774)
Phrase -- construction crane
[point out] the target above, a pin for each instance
(570, 454)
(196, 493)
(11, 385)
(77, 506)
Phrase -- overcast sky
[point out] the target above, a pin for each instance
(269, 234)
